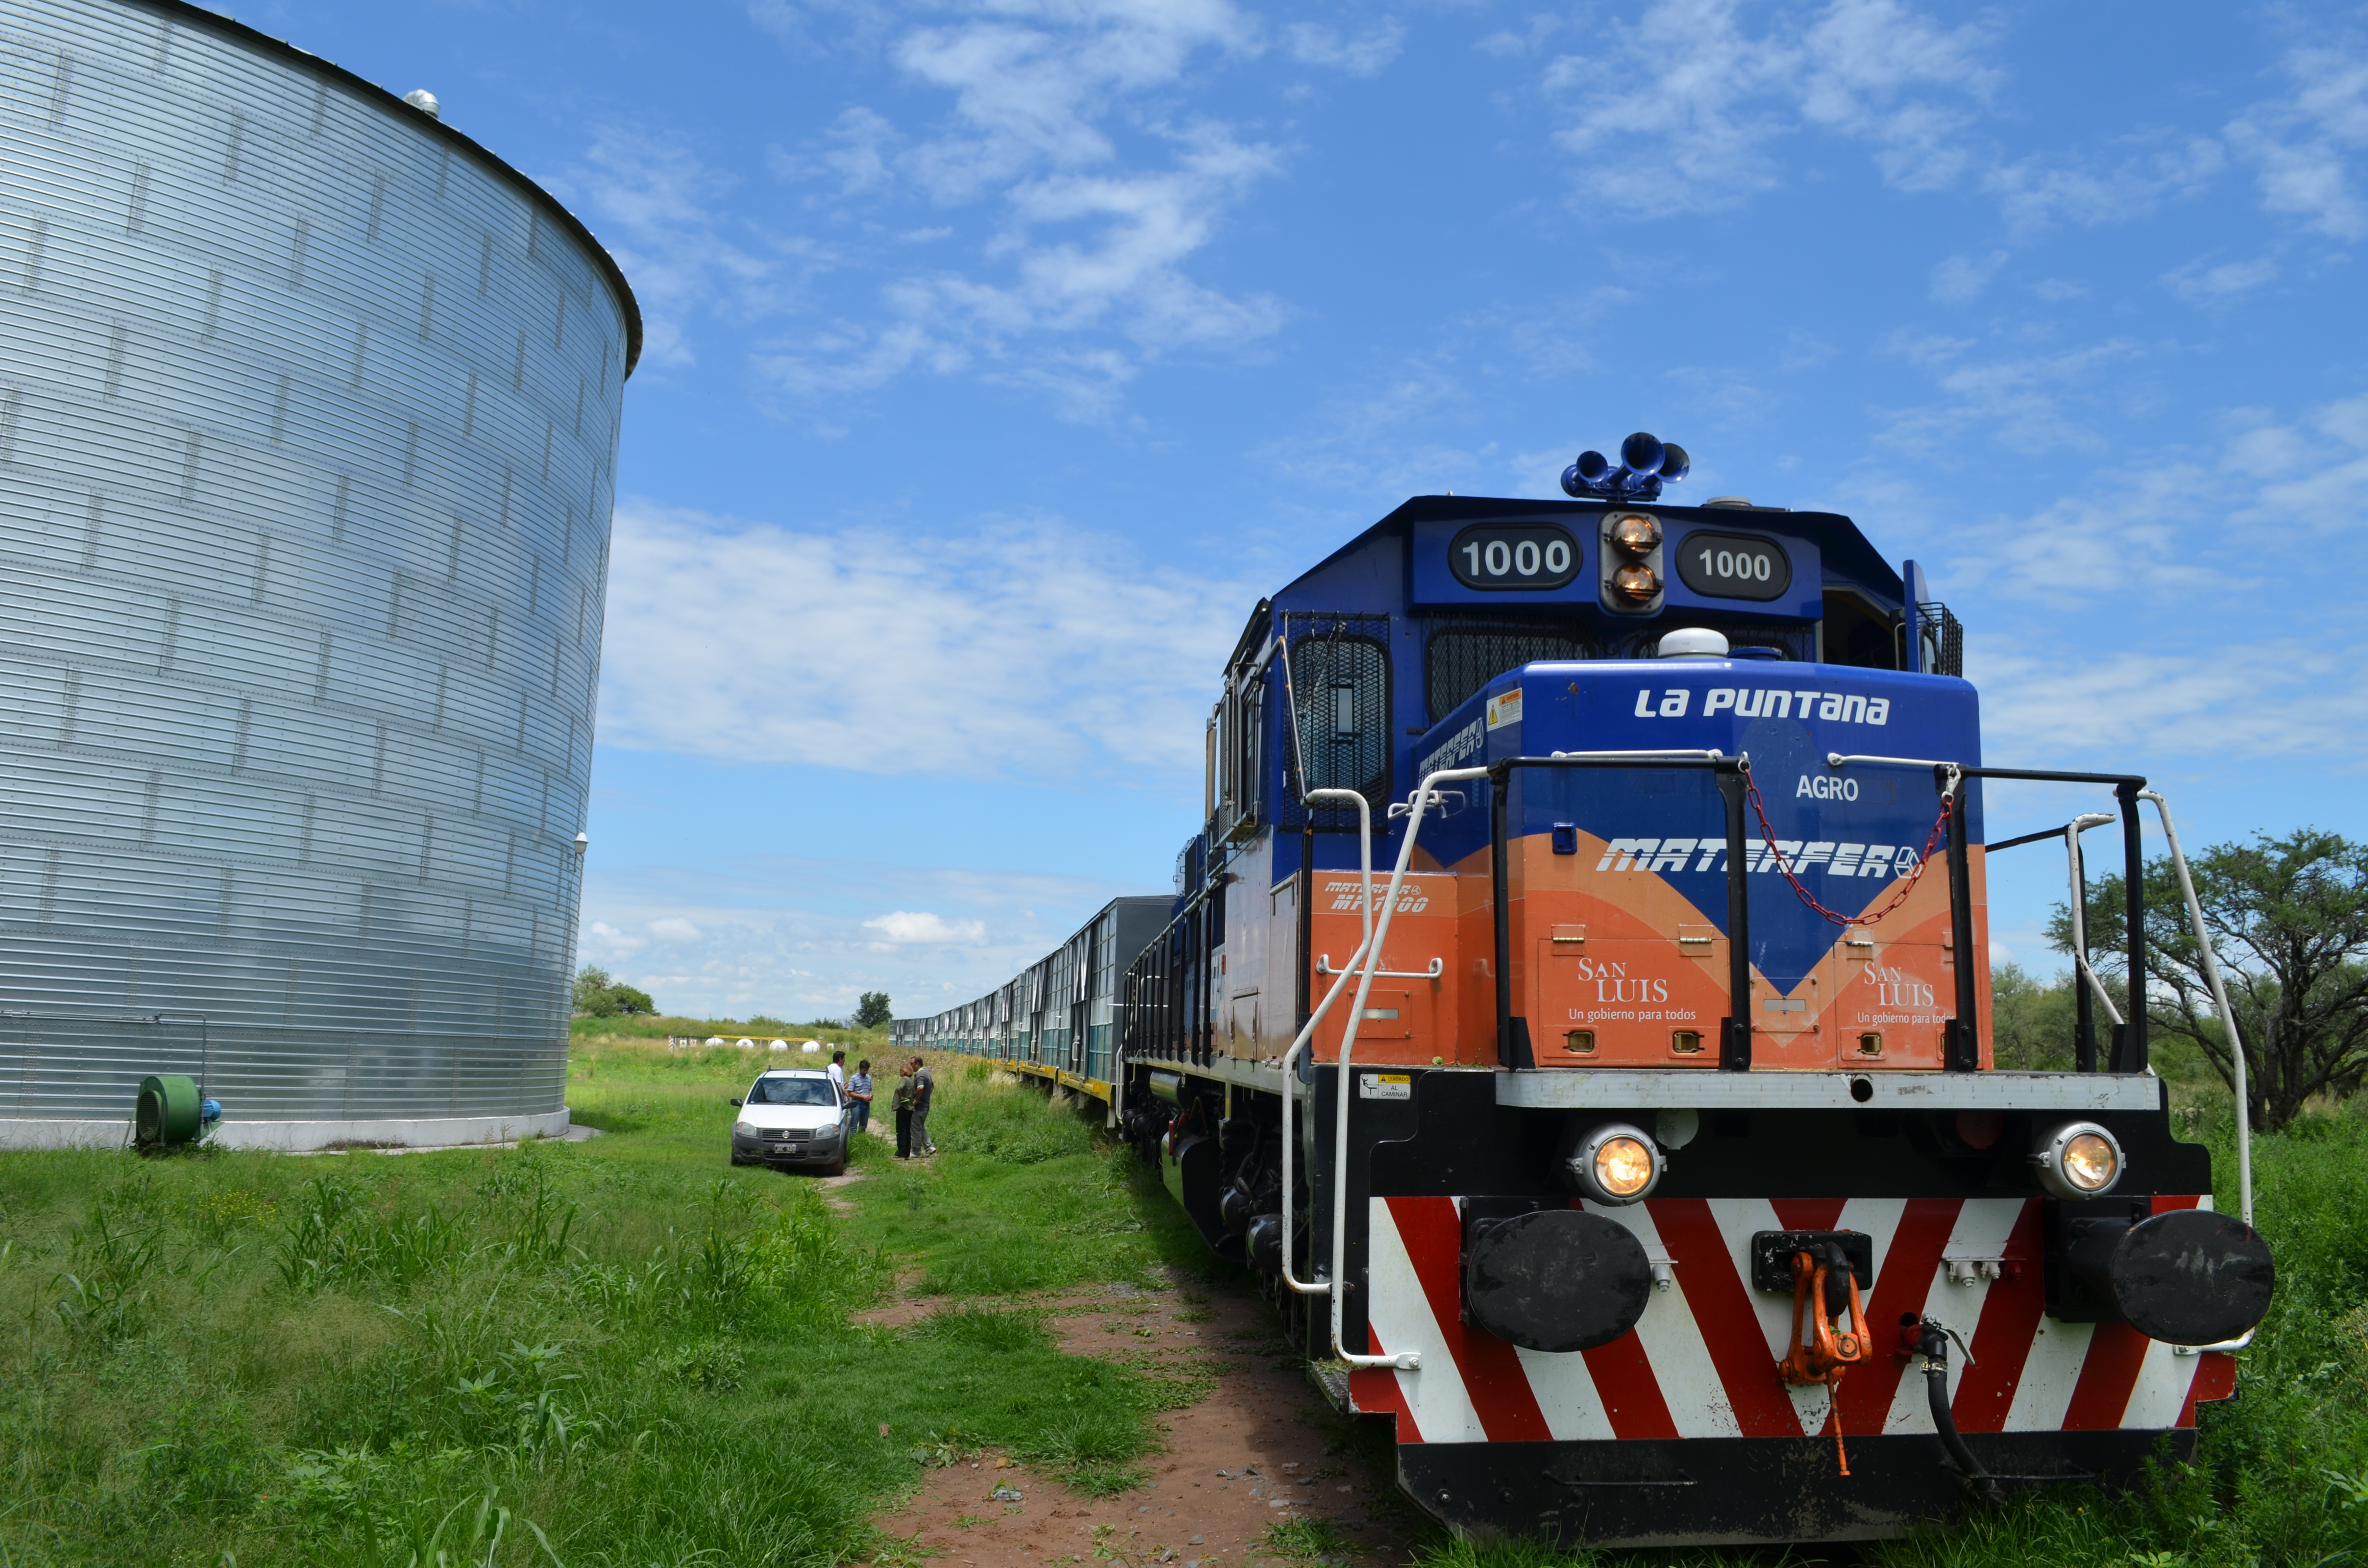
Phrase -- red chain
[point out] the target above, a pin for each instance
(1947, 806)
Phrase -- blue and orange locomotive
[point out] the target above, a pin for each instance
(1576, 1008)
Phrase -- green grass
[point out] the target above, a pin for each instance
(1023, 1198)
(872, 1042)
(623, 1352)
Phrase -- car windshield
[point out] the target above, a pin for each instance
(792, 1091)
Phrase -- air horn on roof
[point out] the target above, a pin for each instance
(1646, 463)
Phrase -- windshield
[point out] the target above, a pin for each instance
(792, 1091)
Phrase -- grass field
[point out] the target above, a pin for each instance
(623, 1352)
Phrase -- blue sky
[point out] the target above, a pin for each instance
(1001, 352)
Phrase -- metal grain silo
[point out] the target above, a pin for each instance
(308, 432)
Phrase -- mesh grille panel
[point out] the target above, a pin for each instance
(1460, 661)
(1340, 680)
(1945, 639)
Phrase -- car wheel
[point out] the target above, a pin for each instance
(836, 1167)
(738, 1161)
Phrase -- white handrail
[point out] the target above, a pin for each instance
(1836, 761)
(1405, 1360)
(2079, 890)
(1438, 967)
(1291, 1057)
(2220, 997)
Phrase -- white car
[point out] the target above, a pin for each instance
(792, 1118)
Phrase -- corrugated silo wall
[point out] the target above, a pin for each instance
(308, 429)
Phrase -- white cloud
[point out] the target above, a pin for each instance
(802, 938)
(1681, 110)
(1022, 649)
(655, 205)
(2303, 144)
(1032, 79)
(607, 940)
(904, 927)
(675, 928)
(2199, 284)
(1083, 276)
(1315, 44)
(2125, 179)
(2171, 530)
(1507, 43)
(862, 144)
(2284, 698)
(2033, 402)
(1960, 279)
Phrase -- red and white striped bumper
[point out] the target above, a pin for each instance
(1702, 1361)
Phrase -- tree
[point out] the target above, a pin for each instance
(2288, 918)
(598, 995)
(592, 992)
(873, 1010)
(2031, 1020)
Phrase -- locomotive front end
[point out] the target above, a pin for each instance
(1706, 1262)
(1576, 1010)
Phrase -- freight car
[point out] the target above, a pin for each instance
(1575, 1010)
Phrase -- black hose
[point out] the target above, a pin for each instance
(1983, 1485)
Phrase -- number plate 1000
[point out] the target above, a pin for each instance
(1528, 556)
(1734, 566)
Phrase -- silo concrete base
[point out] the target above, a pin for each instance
(295, 1137)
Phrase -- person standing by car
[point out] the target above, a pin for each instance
(904, 1104)
(858, 1089)
(923, 1087)
(837, 1070)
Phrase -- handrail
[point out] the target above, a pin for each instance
(1424, 795)
(2130, 1035)
(2227, 1014)
(1513, 1049)
(1438, 967)
(2079, 906)
(1307, 1030)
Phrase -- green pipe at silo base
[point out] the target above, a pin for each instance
(169, 1110)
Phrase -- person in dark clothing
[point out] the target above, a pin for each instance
(923, 1087)
(904, 1104)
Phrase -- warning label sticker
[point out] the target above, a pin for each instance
(1384, 1087)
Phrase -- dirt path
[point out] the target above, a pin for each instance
(1261, 1448)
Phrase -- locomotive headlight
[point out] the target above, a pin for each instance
(1614, 1164)
(1636, 532)
(1623, 1166)
(1637, 582)
(2078, 1159)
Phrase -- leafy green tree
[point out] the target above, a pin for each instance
(600, 995)
(592, 992)
(2288, 918)
(2031, 1020)
(873, 1010)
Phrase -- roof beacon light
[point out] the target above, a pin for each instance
(1646, 463)
(1693, 643)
